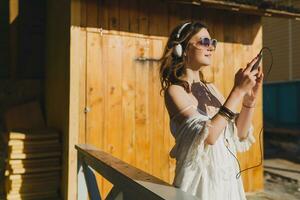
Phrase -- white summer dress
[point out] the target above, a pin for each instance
(207, 171)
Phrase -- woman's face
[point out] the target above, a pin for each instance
(198, 55)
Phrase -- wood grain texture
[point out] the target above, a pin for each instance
(95, 90)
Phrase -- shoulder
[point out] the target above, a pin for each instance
(175, 94)
(174, 90)
(176, 100)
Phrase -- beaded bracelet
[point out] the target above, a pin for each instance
(225, 116)
(227, 113)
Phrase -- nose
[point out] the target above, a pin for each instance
(210, 48)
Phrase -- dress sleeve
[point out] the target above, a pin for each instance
(189, 148)
(190, 152)
(245, 144)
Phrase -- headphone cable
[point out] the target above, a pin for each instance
(261, 153)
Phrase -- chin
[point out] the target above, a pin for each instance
(205, 64)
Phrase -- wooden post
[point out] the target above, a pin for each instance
(87, 183)
(81, 184)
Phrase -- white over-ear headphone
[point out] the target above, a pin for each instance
(177, 50)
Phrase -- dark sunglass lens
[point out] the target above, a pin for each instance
(205, 41)
(214, 43)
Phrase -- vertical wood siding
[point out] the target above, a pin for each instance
(127, 116)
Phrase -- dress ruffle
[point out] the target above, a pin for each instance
(190, 150)
(245, 144)
(189, 140)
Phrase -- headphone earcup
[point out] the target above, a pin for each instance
(177, 51)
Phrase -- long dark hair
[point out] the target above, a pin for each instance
(172, 66)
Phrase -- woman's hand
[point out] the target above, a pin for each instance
(250, 96)
(245, 80)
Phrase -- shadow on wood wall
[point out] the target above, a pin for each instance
(137, 16)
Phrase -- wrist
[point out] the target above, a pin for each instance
(248, 105)
(237, 92)
(249, 102)
(234, 99)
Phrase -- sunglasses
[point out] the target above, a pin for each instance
(205, 42)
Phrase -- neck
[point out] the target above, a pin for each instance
(191, 75)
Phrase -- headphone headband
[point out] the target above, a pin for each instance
(181, 29)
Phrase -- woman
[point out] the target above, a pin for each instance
(207, 130)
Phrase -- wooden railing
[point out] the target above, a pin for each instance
(128, 182)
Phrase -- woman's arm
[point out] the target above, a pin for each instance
(243, 121)
(218, 122)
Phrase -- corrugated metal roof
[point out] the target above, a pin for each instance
(282, 5)
(270, 8)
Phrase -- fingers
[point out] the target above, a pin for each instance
(254, 72)
(260, 78)
(249, 65)
(260, 71)
(240, 70)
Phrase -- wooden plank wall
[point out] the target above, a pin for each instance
(126, 115)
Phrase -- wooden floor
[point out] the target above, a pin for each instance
(285, 168)
(281, 166)
(281, 179)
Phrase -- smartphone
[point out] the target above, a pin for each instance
(256, 64)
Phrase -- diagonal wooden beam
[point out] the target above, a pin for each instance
(133, 182)
(87, 183)
(115, 194)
